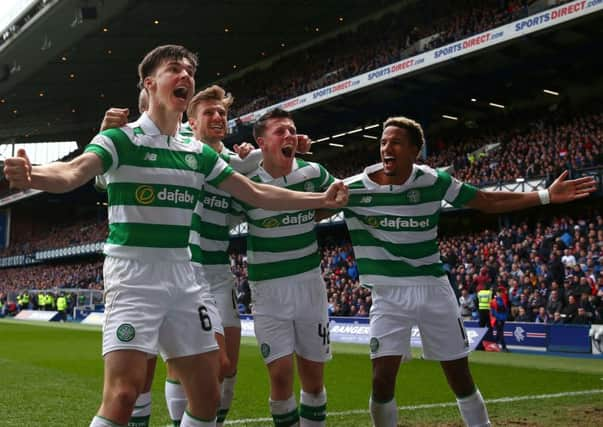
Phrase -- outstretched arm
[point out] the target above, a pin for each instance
(560, 191)
(56, 177)
(274, 198)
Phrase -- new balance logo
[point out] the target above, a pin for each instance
(150, 157)
(366, 199)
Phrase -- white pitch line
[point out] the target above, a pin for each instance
(431, 405)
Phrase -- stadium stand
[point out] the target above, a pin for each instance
(426, 25)
(539, 148)
(564, 255)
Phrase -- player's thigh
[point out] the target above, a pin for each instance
(226, 303)
(125, 369)
(134, 307)
(275, 337)
(392, 316)
(188, 328)
(389, 336)
(312, 338)
(443, 334)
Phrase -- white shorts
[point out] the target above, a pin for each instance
(155, 308)
(222, 287)
(290, 316)
(433, 308)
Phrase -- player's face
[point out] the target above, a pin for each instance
(279, 142)
(397, 151)
(172, 84)
(209, 123)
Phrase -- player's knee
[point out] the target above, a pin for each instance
(383, 386)
(281, 381)
(123, 396)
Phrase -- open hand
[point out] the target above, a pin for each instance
(562, 191)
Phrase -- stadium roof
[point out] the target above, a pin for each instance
(72, 59)
(80, 69)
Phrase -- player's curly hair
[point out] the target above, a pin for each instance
(414, 129)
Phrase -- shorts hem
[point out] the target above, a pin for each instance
(232, 324)
(448, 358)
(313, 359)
(272, 358)
(135, 348)
(190, 353)
(405, 357)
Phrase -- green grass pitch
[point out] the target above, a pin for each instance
(51, 375)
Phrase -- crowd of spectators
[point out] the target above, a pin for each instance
(552, 273)
(83, 275)
(60, 236)
(541, 148)
(371, 45)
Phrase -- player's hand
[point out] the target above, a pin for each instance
(243, 150)
(115, 118)
(303, 143)
(562, 191)
(17, 170)
(336, 195)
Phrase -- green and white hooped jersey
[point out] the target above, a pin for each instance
(213, 218)
(185, 130)
(153, 184)
(283, 244)
(394, 227)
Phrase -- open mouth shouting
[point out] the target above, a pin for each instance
(181, 92)
(288, 150)
(389, 162)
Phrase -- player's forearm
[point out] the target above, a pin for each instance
(53, 178)
(505, 201)
(278, 199)
(247, 164)
(62, 177)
